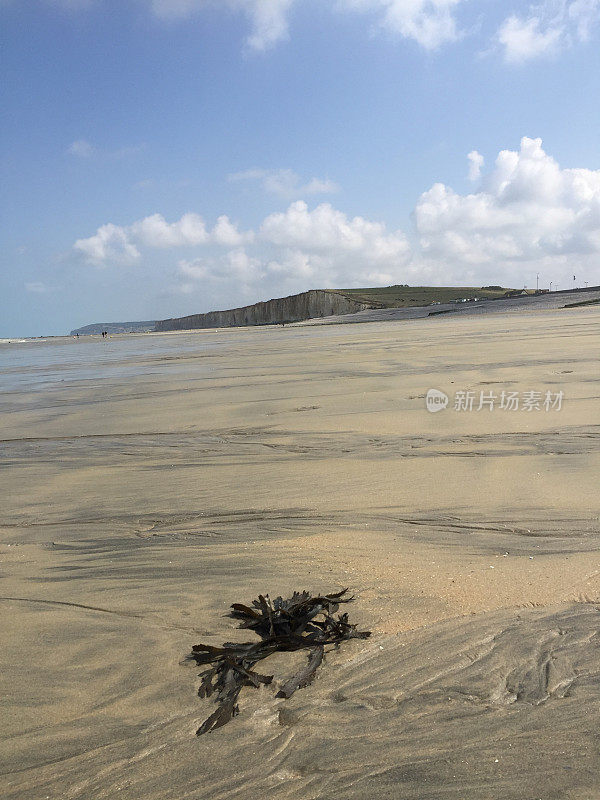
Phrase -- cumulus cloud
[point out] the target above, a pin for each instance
(291, 251)
(238, 274)
(430, 23)
(297, 250)
(324, 247)
(327, 230)
(230, 278)
(285, 182)
(236, 264)
(524, 39)
(226, 233)
(269, 22)
(268, 18)
(583, 15)
(110, 243)
(155, 231)
(476, 162)
(119, 244)
(528, 213)
(547, 28)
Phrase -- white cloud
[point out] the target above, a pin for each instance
(269, 22)
(292, 251)
(327, 230)
(544, 29)
(155, 231)
(583, 15)
(524, 39)
(110, 243)
(299, 250)
(237, 275)
(196, 270)
(235, 264)
(476, 161)
(120, 244)
(268, 18)
(230, 278)
(547, 28)
(240, 266)
(319, 186)
(285, 182)
(81, 148)
(529, 214)
(430, 23)
(227, 234)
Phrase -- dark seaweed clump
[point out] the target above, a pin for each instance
(301, 622)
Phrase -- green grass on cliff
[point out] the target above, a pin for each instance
(403, 296)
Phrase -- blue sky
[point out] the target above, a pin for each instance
(169, 157)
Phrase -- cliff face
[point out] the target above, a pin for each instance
(307, 305)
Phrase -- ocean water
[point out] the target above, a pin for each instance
(30, 364)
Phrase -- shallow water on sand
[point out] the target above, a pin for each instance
(31, 363)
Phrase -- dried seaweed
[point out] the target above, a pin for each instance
(300, 622)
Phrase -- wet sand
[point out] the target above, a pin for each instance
(150, 481)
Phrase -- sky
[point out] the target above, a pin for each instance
(167, 157)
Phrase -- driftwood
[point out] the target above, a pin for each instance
(301, 622)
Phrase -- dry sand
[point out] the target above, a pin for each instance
(150, 481)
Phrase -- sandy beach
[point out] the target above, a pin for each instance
(149, 481)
